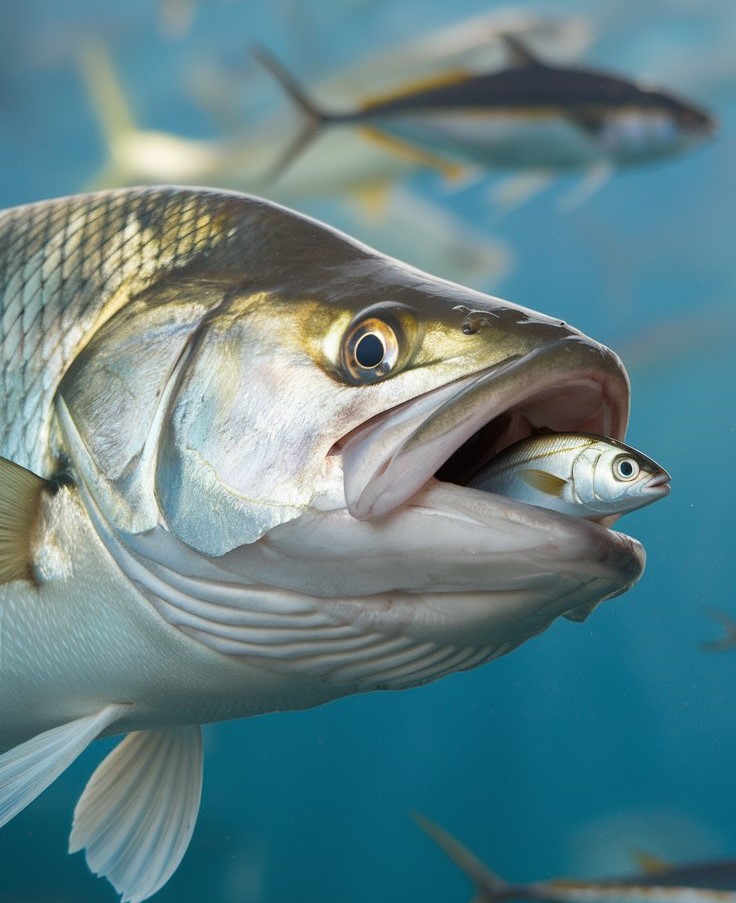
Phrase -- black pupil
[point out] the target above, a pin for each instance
(369, 351)
(626, 468)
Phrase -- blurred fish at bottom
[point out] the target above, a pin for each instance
(700, 882)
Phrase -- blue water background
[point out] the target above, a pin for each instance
(586, 743)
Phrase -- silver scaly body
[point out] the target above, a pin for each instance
(236, 497)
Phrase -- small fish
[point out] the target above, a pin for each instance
(575, 473)
(529, 115)
(706, 882)
(228, 486)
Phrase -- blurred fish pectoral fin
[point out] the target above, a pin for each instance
(592, 182)
(409, 151)
(137, 813)
(20, 497)
(545, 482)
(27, 770)
(508, 194)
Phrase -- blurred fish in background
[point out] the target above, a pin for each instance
(657, 882)
(529, 114)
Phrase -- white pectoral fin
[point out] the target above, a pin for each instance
(137, 813)
(28, 769)
(593, 180)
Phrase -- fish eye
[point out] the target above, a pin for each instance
(370, 350)
(626, 468)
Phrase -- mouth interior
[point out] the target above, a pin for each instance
(579, 407)
(451, 433)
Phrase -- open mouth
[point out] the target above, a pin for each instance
(453, 431)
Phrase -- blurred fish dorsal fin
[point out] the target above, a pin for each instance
(519, 53)
(650, 864)
(419, 86)
(137, 813)
(545, 482)
(20, 498)
(488, 884)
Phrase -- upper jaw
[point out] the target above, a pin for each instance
(569, 384)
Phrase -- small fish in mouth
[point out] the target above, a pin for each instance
(575, 473)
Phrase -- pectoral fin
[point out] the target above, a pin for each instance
(411, 152)
(543, 481)
(137, 813)
(20, 496)
(28, 769)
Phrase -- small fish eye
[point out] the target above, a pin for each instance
(370, 350)
(626, 468)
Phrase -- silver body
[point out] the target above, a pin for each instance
(579, 475)
(251, 520)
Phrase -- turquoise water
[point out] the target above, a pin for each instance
(586, 743)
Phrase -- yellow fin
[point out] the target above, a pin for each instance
(411, 152)
(650, 864)
(372, 199)
(20, 493)
(543, 481)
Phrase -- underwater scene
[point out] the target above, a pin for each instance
(577, 159)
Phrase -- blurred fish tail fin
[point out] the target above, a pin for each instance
(105, 93)
(315, 118)
(489, 886)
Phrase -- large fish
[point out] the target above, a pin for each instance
(528, 115)
(221, 427)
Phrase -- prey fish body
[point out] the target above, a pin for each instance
(529, 115)
(577, 474)
(234, 434)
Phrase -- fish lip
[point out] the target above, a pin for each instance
(658, 484)
(388, 459)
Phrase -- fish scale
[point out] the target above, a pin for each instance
(61, 266)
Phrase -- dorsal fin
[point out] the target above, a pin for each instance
(520, 54)
(650, 864)
(20, 495)
(545, 482)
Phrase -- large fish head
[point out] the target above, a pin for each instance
(275, 443)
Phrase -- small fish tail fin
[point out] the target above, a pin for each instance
(489, 886)
(315, 118)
